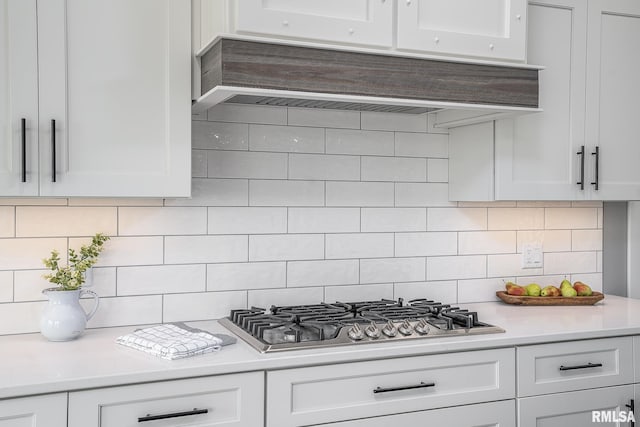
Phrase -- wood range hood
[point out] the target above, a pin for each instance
(257, 72)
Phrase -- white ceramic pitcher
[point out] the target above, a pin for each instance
(63, 318)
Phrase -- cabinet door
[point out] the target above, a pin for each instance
(574, 409)
(494, 414)
(18, 98)
(613, 90)
(115, 77)
(38, 411)
(367, 22)
(485, 28)
(536, 155)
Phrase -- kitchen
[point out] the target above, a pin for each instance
(295, 205)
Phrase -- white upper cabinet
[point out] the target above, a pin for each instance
(613, 91)
(104, 88)
(484, 28)
(366, 22)
(18, 98)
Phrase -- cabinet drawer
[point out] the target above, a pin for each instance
(574, 365)
(230, 400)
(323, 394)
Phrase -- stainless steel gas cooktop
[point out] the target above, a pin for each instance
(334, 324)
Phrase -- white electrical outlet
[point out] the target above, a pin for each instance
(532, 256)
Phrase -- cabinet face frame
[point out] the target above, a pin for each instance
(49, 410)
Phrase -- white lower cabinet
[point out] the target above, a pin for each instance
(494, 414)
(48, 410)
(235, 400)
(349, 391)
(575, 409)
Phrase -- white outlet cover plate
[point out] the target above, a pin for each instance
(532, 256)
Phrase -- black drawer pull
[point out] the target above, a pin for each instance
(588, 365)
(53, 150)
(408, 387)
(581, 154)
(632, 408)
(23, 140)
(172, 415)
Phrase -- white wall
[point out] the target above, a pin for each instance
(295, 206)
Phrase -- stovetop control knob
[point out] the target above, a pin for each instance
(355, 332)
(405, 328)
(422, 327)
(390, 329)
(372, 331)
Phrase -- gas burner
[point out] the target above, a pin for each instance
(326, 325)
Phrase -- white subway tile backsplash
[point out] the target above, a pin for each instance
(570, 262)
(322, 273)
(290, 296)
(7, 221)
(324, 118)
(125, 251)
(509, 265)
(394, 219)
(205, 249)
(600, 217)
(437, 170)
(394, 169)
(113, 202)
(229, 112)
(571, 218)
(202, 305)
(426, 244)
(542, 204)
(421, 194)
(286, 247)
(551, 240)
(384, 270)
(586, 204)
(359, 292)
(199, 163)
(360, 193)
(6, 286)
(444, 291)
(161, 279)
(324, 167)
(361, 142)
(594, 280)
(486, 242)
(219, 136)
(516, 218)
(599, 261)
(246, 275)
(246, 164)
(29, 284)
(23, 254)
(286, 139)
(457, 267)
(226, 220)
(393, 121)
(586, 240)
(479, 290)
(215, 192)
(56, 221)
(359, 245)
(20, 317)
(323, 220)
(123, 311)
(39, 201)
(422, 145)
(456, 219)
(146, 221)
(286, 193)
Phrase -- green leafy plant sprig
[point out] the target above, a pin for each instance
(71, 276)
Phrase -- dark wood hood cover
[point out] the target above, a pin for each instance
(253, 64)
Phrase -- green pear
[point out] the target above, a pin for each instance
(568, 291)
(533, 290)
(565, 283)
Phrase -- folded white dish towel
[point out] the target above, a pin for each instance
(170, 341)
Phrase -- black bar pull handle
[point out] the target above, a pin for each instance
(408, 387)
(581, 154)
(587, 366)
(596, 183)
(23, 137)
(632, 408)
(195, 411)
(53, 150)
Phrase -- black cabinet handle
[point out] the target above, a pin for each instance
(172, 415)
(581, 154)
(632, 408)
(23, 125)
(597, 154)
(53, 150)
(408, 387)
(588, 365)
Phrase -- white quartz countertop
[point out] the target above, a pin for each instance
(29, 364)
